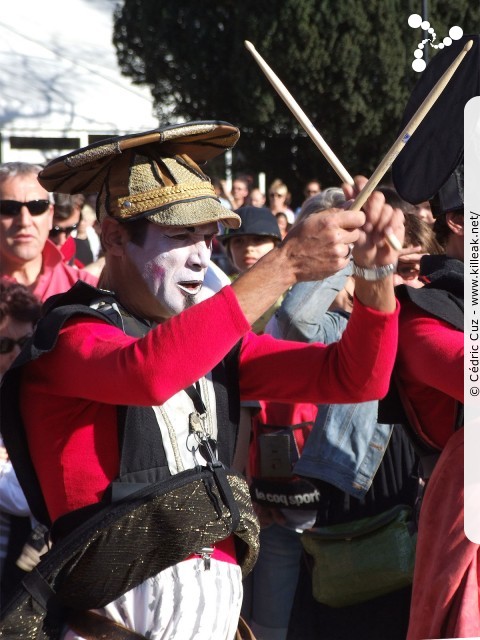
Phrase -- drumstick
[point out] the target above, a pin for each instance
(407, 132)
(294, 107)
(397, 146)
(301, 116)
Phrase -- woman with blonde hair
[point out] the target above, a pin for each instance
(279, 199)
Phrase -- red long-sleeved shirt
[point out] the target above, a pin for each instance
(430, 367)
(69, 396)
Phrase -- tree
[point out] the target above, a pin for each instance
(347, 63)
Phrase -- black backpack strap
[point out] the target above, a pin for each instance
(226, 382)
(142, 455)
(141, 452)
(459, 417)
(426, 448)
(147, 462)
(59, 309)
(40, 590)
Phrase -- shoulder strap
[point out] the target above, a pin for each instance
(58, 310)
(428, 452)
(225, 376)
(437, 302)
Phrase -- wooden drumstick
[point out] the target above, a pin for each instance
(397, 146)
(294, 107)
(300, 115)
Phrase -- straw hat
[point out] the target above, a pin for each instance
(154, 175)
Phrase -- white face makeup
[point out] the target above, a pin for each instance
(172, 262)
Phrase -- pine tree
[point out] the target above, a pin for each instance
(346, 62)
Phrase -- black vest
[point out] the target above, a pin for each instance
(142, 455)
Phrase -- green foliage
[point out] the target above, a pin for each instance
(346, 62)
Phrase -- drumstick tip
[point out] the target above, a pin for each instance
(393, 241)
(250, 46)
(468, 45)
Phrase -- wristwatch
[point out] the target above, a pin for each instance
(373, 273)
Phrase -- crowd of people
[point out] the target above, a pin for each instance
(195, 377)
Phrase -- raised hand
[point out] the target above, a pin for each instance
(320, 245)
(372, 249)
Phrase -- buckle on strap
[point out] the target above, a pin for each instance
(206, 553)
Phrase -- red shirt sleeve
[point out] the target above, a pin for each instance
(431, 352)
(355, 369)
(430, 367)
(98, 362)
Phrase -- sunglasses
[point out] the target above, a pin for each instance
(7, 345)
(13, 207)
(56, 230)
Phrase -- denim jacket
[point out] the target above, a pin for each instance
(347, 443)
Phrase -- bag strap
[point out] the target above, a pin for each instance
(243, 631)
(40, 590)
(430, 453)
(427, 451)
(92, 626)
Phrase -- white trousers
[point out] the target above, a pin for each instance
(183, 602)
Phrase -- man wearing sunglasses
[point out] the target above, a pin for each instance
(26, 218)
(67, 214)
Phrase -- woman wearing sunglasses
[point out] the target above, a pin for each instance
(279, 200)
(26, 218)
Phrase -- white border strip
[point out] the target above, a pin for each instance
(472, 319)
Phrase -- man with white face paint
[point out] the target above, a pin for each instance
(173, 261)
(139, 388)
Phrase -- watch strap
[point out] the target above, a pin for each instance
(373, 274)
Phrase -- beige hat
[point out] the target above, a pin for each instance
(154, 175)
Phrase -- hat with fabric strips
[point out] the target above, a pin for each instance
(154, 175)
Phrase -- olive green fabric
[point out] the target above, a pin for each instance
(361, 560)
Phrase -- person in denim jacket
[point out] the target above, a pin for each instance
(346, 451)
(347, 443)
